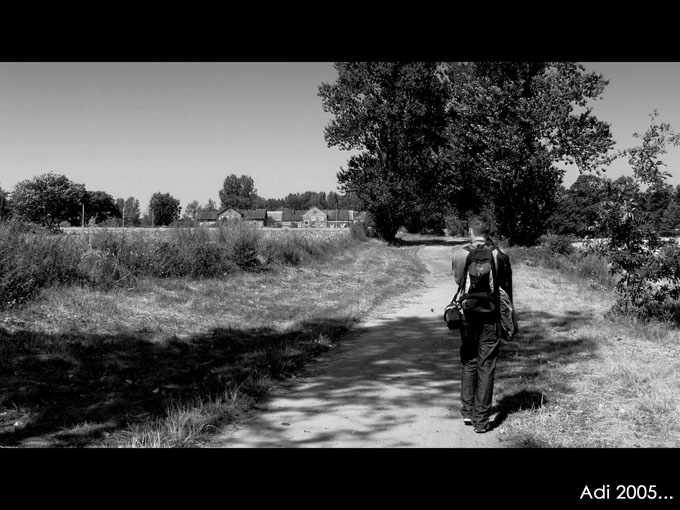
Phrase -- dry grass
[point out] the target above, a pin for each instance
(581, 378)
(161, 364)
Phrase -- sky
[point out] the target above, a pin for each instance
(137, 128)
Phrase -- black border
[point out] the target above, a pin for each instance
(535, 478)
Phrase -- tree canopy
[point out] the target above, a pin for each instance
(49, 199)
(165, 208)
(129, 211)
(100, 206)
(238, 192)
(464, 137)
(4, 204)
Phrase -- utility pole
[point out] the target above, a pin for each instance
(123, 214)
(82, 217)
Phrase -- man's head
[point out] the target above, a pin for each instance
(478, 226)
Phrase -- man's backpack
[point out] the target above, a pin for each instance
(480, 297)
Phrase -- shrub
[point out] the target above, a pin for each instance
(359, 231)
(243, 244)
(557, 244)
(33, 257)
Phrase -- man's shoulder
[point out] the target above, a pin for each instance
(462, 250)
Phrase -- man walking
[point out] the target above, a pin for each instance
(482, 268)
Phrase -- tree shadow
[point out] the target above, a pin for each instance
(102, 384)
(528, 367)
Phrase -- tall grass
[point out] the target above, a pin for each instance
(163, 363)
(32, 258)
(556, 252)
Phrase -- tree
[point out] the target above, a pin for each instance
(576, 211)
(647, 266)
(238, 192)
(130, 211)
(670, 221)
(49, 199)
(100, 206)
(164, 208)
(510, 124)
(191, 209)
(393, 113)
(5, 208)
(210, 205)
(655, 201)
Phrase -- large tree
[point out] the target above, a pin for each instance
(49, 199)
(511, 125)
(165, 209)
(487, 137)
(238, 192)
(392, 113)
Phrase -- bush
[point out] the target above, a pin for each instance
(557, 244)
(33, 257)
(455, 225)
(359, 231)
(243, 244)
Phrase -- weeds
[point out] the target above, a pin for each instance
(33, 258)
(123, 359)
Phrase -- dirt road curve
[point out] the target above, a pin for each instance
(393, 384)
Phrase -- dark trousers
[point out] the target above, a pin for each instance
(478, 354)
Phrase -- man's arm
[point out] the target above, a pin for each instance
(458, 264)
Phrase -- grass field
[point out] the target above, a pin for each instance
(163, 363)
(580, 377)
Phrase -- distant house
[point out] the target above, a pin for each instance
(339, 218)
(291, 218)
(229, 215)
(314, 218)
(206, 216)
(274, 218)
(256, 216)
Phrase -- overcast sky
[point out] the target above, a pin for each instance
(132, 129)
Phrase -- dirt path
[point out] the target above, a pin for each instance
(394, 383)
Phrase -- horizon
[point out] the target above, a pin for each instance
(134, 129)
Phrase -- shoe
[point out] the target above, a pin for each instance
(483, 429)
(467, 421)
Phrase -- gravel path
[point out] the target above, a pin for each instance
(394, 383)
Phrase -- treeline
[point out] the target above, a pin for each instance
(239, 192)
(53, 200)
(580, 208)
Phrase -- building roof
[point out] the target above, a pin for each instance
(255, 214)
(338, 214)
(313, 210)
(230, 211)
(207, 215)
(291, 215)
